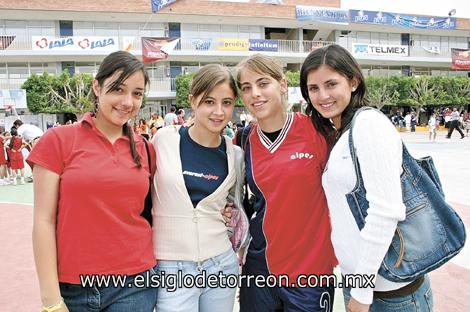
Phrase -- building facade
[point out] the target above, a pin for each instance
(51, 36)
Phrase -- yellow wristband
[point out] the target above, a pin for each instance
(54, 307)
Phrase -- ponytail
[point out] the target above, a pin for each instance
(130, 134)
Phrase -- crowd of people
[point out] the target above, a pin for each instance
(267, 193)
(12, 143)
(444, 118)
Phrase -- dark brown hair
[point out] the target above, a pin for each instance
(341, 61)
(127, 64)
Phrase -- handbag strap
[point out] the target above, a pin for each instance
(352, 148)
(147, 211)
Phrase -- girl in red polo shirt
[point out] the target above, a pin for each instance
(85, 225)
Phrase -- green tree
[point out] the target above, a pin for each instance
(423, 92)
(37, 87)
(382, 91)
(59, 94)
(455, 90)
(293, 78)
(182, 89)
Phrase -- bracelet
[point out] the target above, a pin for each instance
(54, 307)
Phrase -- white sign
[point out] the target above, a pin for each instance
(294, 95)
(13, 98)
(433, 50)
(91, 43)
(378, 49)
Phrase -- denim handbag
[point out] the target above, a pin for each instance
(432, 232)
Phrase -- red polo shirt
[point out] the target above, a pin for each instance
(101, 197)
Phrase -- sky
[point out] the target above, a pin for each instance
(422, 7)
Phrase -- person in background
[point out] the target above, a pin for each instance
(413, 122)
(4, 177)
(143, 129)
(170, 118)
(91, 225)
(454, 124)
(432, 125)
(14, 150)
(180, 117)
(30, 134)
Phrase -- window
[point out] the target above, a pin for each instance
(66, 28)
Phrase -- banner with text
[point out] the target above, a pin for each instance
(157, 49)
(378, 49)
(403, 20)
(460, 58)
(244, 44)
(320, 14)
(75, 43)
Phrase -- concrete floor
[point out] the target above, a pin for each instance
(19, 288)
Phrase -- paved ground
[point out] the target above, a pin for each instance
(19, 290)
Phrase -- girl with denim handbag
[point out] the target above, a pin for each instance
(334, 88)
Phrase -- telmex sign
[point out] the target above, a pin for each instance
(376, 49)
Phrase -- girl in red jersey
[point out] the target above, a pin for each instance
(85, 225)
(4, 180)
(16, 156)
(284, 159)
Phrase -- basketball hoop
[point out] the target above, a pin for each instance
(8, 104)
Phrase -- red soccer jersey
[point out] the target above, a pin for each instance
(101, 197)
(291, 228)
(3, 160)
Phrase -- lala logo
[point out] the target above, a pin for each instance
(102, 43)
(85, 43)
(42, 43)
(61, 43)
(298, 155)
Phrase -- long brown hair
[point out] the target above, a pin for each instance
(341, 61)
(127, 64)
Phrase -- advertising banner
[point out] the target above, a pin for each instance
(201, 44)
(244, 44)
(378, 49)
(320, 14)
(5, 41)
(460, 58)
(403, 20)
(263, 45)
(90, 43)
(232, 44)
(157, 49)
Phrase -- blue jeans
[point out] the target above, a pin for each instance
(418, 301)
(110, 299)
(197, 298)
